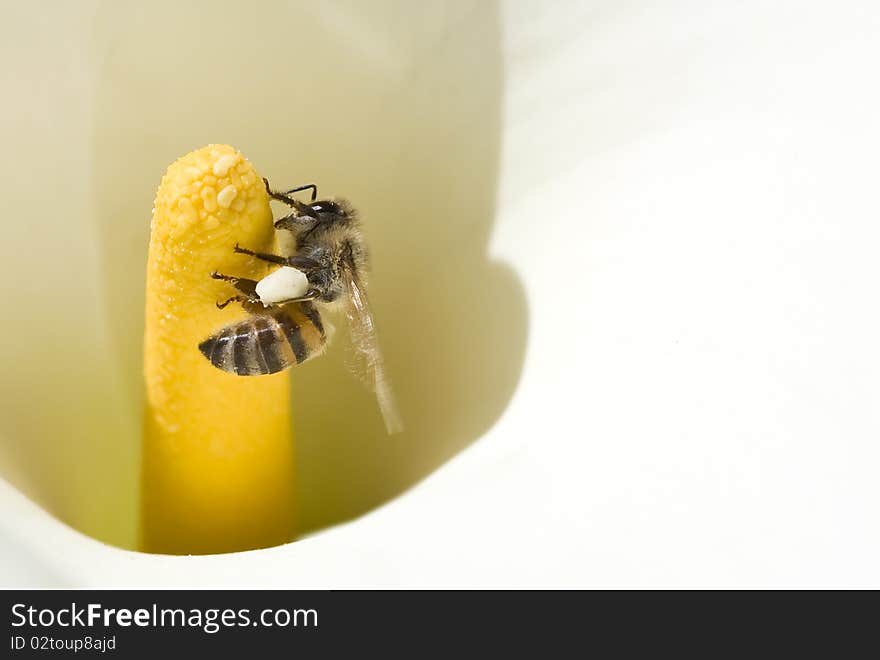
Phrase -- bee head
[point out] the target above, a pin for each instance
(327, 209)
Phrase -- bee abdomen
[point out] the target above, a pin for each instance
(236, 349)
(268, 344)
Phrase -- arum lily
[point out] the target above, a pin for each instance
(624, 265)
(426, 196)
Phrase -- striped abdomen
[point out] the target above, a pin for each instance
(267, 343)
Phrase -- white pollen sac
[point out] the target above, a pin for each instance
(222, 164)
(283, 284)
(225, 196)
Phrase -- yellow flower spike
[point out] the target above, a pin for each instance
(217, 450)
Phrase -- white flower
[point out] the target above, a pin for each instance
(623, 254)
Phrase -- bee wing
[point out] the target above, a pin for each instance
(368, 363)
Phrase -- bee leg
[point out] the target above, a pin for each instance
(241, 299)
(304, 264)
(311, 294)
(271, 258)
(226, 278)
(244, 285)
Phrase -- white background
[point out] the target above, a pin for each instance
(688, 194)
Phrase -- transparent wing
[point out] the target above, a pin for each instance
(368, 364)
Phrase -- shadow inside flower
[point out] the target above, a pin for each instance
(397, 107)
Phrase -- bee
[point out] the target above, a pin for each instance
(284, 326)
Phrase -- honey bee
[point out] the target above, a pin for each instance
(284, 327)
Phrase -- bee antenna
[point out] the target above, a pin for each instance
(308, 186)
